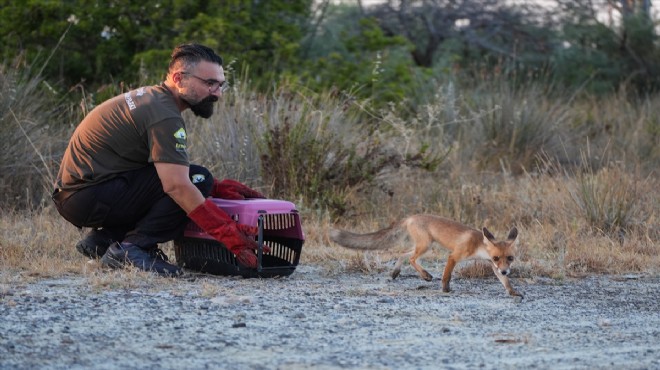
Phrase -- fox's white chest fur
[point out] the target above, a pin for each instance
(480, 254)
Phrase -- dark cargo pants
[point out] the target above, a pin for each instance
(132, 207)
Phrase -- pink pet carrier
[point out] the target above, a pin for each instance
(279, 228)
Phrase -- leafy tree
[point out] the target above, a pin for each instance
(605, 56)
(262, 35)
(351, 53)
(489, 27)
(96, 42)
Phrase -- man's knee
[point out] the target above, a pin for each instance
(201, 177)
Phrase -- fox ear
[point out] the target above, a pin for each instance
(488, 235)
(513, 234)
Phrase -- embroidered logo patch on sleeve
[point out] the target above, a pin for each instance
(180, 136)
(197, 178)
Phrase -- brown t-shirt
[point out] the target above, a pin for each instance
(124, 133)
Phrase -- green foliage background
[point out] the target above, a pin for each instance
(101, 42)
(323, 45)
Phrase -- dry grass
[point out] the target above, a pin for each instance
(556, 240)
(40, 244)
(579, 213)
(32, 244)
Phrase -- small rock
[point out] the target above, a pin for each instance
(298, 315)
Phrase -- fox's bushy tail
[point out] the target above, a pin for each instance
(381, 239)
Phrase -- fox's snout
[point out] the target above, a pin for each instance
(502, 264)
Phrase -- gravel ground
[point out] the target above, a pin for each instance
(315, 320)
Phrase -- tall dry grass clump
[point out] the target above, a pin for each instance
(33, 129)
(618, 128)
(611, 200)
(513, 129)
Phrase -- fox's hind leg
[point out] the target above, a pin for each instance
(397, 266)
(421, 246)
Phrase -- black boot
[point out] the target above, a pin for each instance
(152, 259)
(95, 243)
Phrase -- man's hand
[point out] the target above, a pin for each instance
(237, 238)
(232, 189)
(248, 230)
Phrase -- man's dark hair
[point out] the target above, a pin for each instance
(186, 56)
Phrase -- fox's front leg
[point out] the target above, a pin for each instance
(446, 275)
(505, 281)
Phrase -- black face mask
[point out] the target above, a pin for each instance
(204, 108)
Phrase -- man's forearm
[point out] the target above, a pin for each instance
(187, 197)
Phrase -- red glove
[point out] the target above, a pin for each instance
(232, 189)
(248, 230)
(221, 227)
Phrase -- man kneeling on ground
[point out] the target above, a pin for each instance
(126, 173)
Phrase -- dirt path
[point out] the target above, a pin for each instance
(312, 320)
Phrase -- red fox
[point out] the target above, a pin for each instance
(464, 243)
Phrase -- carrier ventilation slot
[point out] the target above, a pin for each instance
(279, 221)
